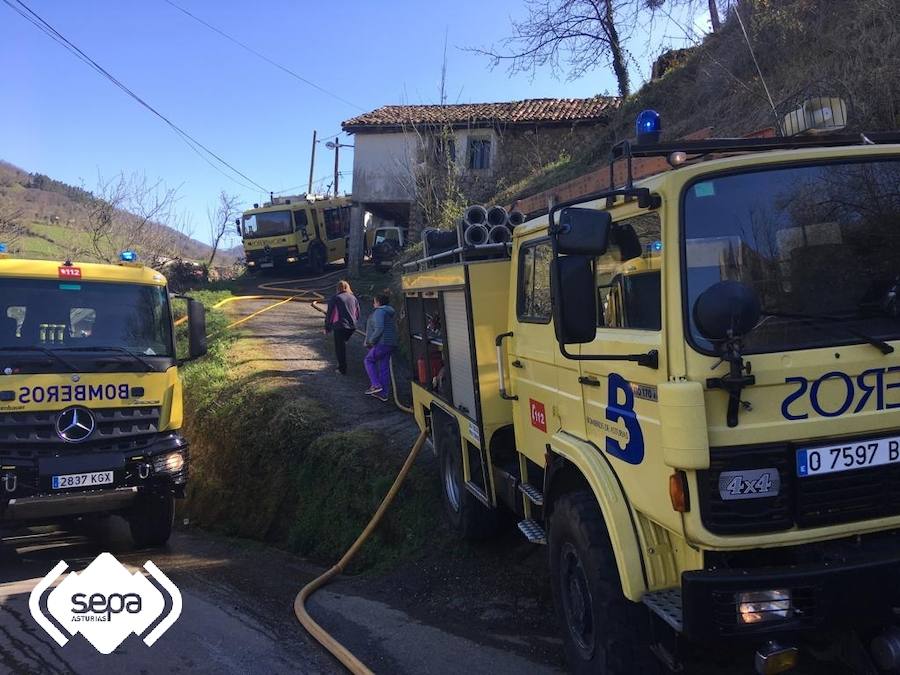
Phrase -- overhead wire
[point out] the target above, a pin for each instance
(37, 21)
(264, 57)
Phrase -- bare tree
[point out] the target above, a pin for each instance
(11, 227)
(220, 217)
(134, 213)
(583, 34)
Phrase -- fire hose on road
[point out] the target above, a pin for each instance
(312, 296)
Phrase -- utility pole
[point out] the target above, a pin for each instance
(312, 163)
(337, 163)
(336, 145)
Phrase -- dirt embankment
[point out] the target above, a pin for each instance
(286, 451)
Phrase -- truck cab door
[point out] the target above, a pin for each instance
(621, 408)
(532, 349)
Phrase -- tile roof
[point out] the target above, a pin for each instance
(528, 111)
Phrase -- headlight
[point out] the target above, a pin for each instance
(759, 606)
(171, 463)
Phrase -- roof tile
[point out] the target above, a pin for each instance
(533, 110)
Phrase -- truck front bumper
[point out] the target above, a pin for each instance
(81, 503)
(852, 594)
(27, 494)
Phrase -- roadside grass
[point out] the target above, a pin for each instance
(268, 464)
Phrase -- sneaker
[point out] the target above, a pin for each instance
(381, 396)
(372, 390)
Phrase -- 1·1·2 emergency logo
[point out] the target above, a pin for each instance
(105, 603)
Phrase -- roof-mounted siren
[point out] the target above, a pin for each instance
(819, 115)
(648, 127)
(4, 251)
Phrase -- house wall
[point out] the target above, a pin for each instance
(383, 167)
(519, 151)
(386, 164)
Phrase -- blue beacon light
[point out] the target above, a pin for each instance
(648, 127)
(2, 248)
(128, 256)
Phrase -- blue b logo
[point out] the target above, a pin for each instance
(616, 409)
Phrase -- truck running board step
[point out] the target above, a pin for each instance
(666, 604)
(534, 495)
(533, 531)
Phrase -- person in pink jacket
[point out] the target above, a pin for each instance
(340, 319)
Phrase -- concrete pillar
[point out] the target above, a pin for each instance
(357, 240)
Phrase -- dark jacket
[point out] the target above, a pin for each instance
(342, 312)
(380, 328)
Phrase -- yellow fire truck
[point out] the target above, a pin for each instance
(688, 388)
(90, 398)
(306, 231)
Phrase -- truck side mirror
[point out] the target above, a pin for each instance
(582, 231)
(575, 299)
(237, 226)
(196, 328)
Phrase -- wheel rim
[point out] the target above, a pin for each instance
(451, 488)
(576, 599)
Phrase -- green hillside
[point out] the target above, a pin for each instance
(51, 221)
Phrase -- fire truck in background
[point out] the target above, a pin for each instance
(90, 396)
(302, 231)
(688, 388)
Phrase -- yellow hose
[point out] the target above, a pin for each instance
(341, 653)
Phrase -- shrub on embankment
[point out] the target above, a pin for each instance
(268, 463)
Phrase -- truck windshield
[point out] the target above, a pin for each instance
(269, 224)
(84, 320)
(819, 244)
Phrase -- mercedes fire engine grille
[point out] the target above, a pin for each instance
(28, 432)
(814, 501)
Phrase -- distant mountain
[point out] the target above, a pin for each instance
(53, 219)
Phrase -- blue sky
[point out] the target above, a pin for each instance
(60, 118)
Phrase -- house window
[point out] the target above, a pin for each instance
(534, 301)
(479, 153)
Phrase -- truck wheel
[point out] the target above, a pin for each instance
(151, 520)
(604, 632)
(317, 259)
(469, 517)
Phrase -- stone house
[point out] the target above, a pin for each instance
(486, 145)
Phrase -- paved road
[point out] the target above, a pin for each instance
(237, 615)
(233, 621)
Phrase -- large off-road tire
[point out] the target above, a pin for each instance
(468, 516)
(604, 633)
(318, 258)
(151, 520)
